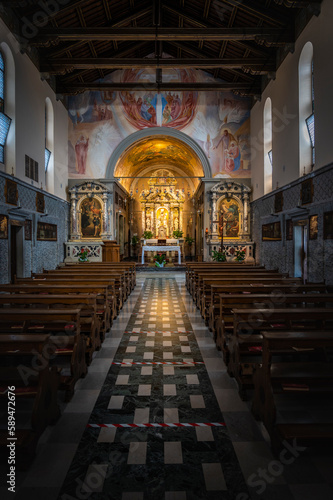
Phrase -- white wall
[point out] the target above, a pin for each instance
(30, 95)
(284, 94)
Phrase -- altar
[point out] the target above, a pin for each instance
(160, 248)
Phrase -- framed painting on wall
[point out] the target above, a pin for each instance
(40, 202)
(27, 230)
(46, 232)
(289, 230)
(313, 227)
(3, 227)
(328, 226)
(91, 218)
(11, 193)
(271, 232)
(278, 202)
(306, 191)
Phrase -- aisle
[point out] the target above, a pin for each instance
(143, 440)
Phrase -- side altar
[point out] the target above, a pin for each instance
(90, 230)
(229, 220)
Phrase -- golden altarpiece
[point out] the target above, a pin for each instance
(162, 205)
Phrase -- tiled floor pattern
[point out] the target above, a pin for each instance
(192, 462)
(145, 464)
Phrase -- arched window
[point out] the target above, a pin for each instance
(268, 153)
(49, 146)
(5, 121)
(306, 110)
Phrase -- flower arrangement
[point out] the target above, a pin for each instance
(83, 257)
(219, 256)
(177, 234)
(147, 235)
(160, 259)
(189, 240)
(134, 240)
(240, 255)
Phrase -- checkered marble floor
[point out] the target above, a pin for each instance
(159, 366)
(157, 377)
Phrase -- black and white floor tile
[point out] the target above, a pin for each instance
(157, 417)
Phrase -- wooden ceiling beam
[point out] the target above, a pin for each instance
(256, 9)
(57, 65)
(121, 53)
(239, 88)
(49, 36)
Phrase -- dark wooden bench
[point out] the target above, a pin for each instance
(298, 367)
(64, 327)
(204, 296)
(218, 293)
(34, 392)
(90, 322)
(228, 302)
(245, 343)
(105, 299)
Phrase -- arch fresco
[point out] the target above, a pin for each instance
(216, 125)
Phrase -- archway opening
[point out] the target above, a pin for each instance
(161, 173)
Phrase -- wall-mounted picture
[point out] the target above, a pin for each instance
(271, 232)
(11, 193)
(46, 232)
(27, 230)
(3, 227)
(91, 210)
(40, 202)
(289, 229)
(306, 191)
(313, 227)
(328, 226)
(278, 202)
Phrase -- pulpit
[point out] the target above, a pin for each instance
(111, 251)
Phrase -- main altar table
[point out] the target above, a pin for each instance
(160, 248)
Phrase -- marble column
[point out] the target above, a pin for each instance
(105, 234)
(214, 214)
(246, 214)
(75, 232)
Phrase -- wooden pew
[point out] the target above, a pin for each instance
(191, 268)
(64, 326)
(245, 343)
(35, 391)
(277, 299)
(122, 278)
(131, 266)
(105, 299)
(90, 323)
(204, 296)
(198, 275)
(296, 366)
(218, 293)
(82, 281)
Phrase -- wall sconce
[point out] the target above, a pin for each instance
(206, 232)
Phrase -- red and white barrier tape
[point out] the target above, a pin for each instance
(159, 363)
(157, 426)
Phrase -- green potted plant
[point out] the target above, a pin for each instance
(178, 234)
(240, 255)
(189, 241)
(160, 259)
(219, 256)
(134, 243)
(147, 235)
(83, 257)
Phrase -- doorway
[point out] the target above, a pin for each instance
(16, 250)
(301, 250)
